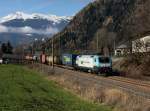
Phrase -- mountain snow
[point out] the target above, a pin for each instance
(33, 23)
(24, 16)
(20, 27)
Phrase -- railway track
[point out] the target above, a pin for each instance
(121, 79)
(131, 81)
(135, 87)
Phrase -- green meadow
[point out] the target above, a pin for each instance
(22, 89)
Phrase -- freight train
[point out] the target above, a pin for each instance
(90, 63)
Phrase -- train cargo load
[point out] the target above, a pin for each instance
(69, 59)
(49, 60)
(43, 58)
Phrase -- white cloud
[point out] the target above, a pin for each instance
(27, 30)
(3, 29)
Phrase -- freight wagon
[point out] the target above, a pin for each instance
(90, 63)
(49, 60)
(69, 59)
(43, 58)
(12, 58)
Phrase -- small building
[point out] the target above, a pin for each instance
(122, 50)
(141, 45)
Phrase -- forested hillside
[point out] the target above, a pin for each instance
(103, 23)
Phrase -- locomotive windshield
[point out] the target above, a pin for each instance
(104, 60)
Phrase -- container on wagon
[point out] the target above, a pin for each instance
(69, 59)
(43, 58)
(49, 60)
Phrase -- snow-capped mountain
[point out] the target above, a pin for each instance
(24, 16)
(21, 27)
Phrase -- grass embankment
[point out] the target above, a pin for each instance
(22, 89)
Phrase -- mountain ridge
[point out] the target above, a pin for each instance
(105, 22)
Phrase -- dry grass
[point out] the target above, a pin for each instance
(125, 102)
(134, 67)
(117, 99)
(113, 96)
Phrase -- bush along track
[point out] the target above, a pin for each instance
(22, 89)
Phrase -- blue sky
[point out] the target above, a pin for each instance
(57, 7)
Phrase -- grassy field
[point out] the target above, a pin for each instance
(22, 89)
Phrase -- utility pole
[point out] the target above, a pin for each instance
(22, 54)
(114, 47)
(53, 53)
(60, 46)
(32, 53)
(97, 42)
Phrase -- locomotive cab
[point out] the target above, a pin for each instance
(104, 65)
(94, 63)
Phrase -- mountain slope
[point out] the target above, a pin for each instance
(105, 22)
(21, 26)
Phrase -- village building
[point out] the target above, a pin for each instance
(122, 50)
(141, 45)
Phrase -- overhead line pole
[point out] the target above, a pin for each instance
(97, 43)
(53, 53)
